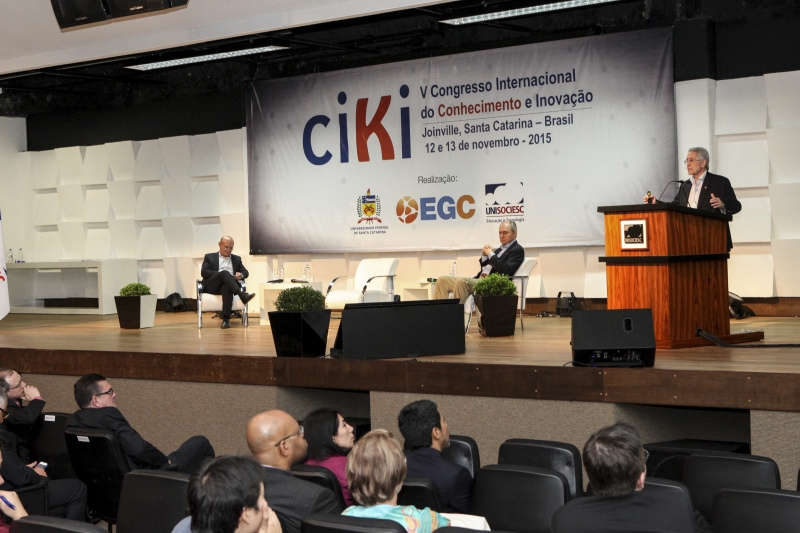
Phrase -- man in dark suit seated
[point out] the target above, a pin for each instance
(426, 434)
(21, 416)
(97, 400)
(615, 463)
(222, 271)
(504, 260)
(276, 441)
(15, 474)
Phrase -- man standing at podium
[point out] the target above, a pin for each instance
(704, 190)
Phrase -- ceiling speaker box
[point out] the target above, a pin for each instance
(70, 13)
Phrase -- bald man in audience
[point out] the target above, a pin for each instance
(276, 441)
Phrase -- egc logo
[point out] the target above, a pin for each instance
(431, 208)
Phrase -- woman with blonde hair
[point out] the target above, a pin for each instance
(376, 468)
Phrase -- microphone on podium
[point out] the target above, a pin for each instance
(653, 200)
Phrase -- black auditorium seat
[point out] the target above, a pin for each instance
(324, 477)
(48, 445)
(153, 501)
(518, 498)
(562, 457)
(463, 451)
(754, 510)
(666, 458)
(50, 524)
(332, 523)
(705, 474)
(420, 492)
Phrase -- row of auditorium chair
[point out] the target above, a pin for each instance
(736, 492)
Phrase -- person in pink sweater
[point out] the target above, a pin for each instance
(330, 438)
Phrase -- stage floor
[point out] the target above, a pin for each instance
(544, 342)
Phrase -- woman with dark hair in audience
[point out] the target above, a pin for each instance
(376, 468)
(330, 438)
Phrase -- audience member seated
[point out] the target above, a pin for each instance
(9, 514)
(615, 463)
(98, 410)
(15, 474)
(376, 468)
(426, 434)
(227, 496)
(276, 441)
(330, 438)
(21, 416)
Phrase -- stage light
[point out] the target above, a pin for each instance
(533, 10)
(208, 57)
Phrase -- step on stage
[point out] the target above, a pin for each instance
(529, 365)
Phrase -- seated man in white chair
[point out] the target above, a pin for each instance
(221, 273)
(504, 260)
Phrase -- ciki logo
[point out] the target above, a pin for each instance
(432, 208)
(364, 130)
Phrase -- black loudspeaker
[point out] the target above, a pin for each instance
(70, 13)
(619, 337)
(126, 8)
(400, 329)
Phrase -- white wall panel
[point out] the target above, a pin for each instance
(45, 170)
(149, 202)
(744, 159)
(47, 210)
(179, 234)
(786, 255)
(563, 271)
(149, 162)
(750, 270)
(177, 155)
(75, 282)
(233, 188)
(694, 115)
(782, 103)
(438, 263)
(122, 195)
(595, 284)
(207, 233)
(785, 199)
(181, 275)
(98, 243)
(231, 148)
(97, 206)
(754, 222)
(151, 243)
(205, 155)
(122, 159)
(124, 238)
(72, 202)
(741, 106)
(784, 155)
(70, 164)
(152, 274)
(177, 196)
(206, 197)
(96, 169)
(324, 267)
(235, 225)
(48, 246)
(73, 239)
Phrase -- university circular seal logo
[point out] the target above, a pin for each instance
(407, 210)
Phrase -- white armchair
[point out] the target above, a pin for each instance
(213, 302)
(520, 278)
(381, 290)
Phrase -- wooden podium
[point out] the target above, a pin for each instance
(673, 260)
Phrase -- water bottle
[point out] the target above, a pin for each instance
(10, 256)
(280, 271)
(455, 269)
(306, 273)
(19, 257)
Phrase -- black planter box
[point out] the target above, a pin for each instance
(498, 314)
(300, 334)
(132, 315)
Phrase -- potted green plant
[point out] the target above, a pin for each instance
(136, 307)
(300, 324)
(496, 298)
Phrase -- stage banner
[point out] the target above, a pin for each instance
(5, 306)
(433, 154)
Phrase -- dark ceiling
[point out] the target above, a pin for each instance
(357, 42)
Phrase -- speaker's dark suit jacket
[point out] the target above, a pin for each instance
(20, 422)
(211, 265)
(453, 482)
(508, 263)
(294, 499)
(719, 186)
(141, 454)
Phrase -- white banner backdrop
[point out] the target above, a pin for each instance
(433, 154)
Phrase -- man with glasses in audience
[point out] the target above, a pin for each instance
(276, 441)
(21, 416)
(98, 410)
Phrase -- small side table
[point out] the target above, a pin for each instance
(269, 292)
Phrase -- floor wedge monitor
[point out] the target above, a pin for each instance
(71, 13)
(619, 337)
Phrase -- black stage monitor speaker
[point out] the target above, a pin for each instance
(619, 337)
(70, 13)
(400, 329)
(126, 8)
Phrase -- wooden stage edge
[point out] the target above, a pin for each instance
(528, 365)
